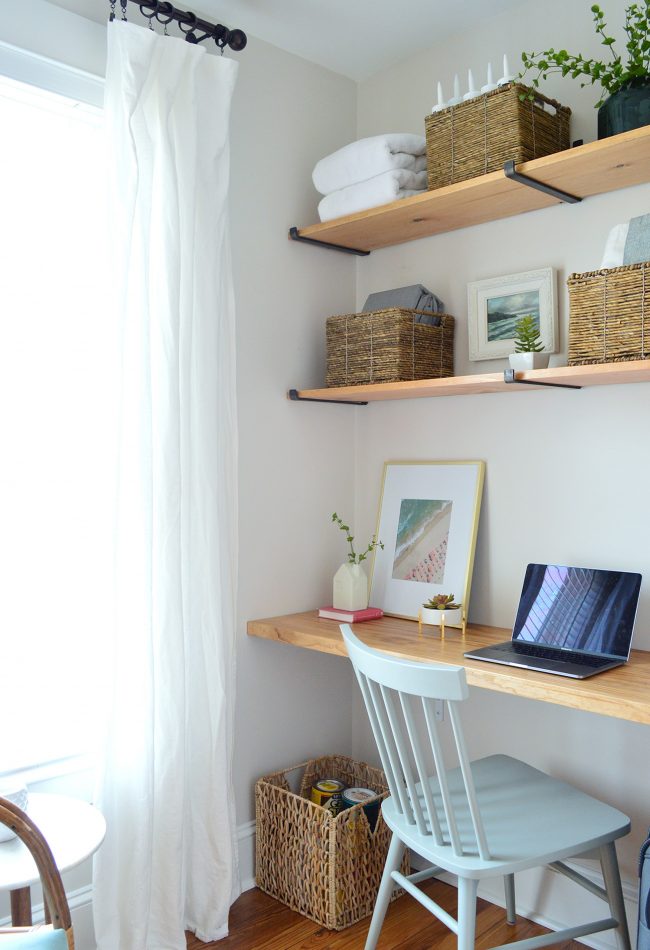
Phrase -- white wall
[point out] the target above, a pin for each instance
(566, 471)
(296, 459)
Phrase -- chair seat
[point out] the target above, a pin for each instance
(45, 939)
(530, 819)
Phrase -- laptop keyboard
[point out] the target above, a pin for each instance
(564, 656)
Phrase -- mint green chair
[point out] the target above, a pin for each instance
(57, 935)
(488, 818)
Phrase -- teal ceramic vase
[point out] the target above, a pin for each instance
(629, 108)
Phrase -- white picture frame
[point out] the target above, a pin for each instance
(493, 306)
(444, 536)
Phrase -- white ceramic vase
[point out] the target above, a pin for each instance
(521, 362)
(350, 588)
(453, 618)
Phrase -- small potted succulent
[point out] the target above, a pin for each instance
(528, 346)
(442, 610)
(624, 79)
(350, 589)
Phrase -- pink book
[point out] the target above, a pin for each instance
(350, 616)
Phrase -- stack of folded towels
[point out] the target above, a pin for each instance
(371, 172)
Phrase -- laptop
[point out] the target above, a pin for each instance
(571, 621)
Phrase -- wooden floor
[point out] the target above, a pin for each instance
(257, 922)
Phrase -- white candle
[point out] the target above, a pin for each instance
(507, 76)
(471, 90)
(490, 84)
(456, 98)
(441, 101)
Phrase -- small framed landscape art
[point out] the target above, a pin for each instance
(494, 306)
(428, 520)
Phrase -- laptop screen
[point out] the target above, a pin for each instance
(578, 608)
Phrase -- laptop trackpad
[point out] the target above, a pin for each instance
(504, 654)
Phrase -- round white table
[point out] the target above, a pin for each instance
(72, 828)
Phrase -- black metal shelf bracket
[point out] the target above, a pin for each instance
(509, 377)
(295, 235)
(296, 397)
(511, 172)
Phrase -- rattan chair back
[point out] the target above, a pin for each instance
(53, 892)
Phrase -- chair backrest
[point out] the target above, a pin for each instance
(399, 694)
(53, 892)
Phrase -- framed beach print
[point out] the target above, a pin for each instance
(428, 520)
(495, 305)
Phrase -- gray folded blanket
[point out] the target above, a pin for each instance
(415, 297)
(637, 243)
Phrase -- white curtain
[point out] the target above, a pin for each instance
(169, 859)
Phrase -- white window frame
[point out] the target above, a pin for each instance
(35, 68)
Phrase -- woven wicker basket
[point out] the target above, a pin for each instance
(385, 346)
(609, 315)
(327, 868)
(480, 135)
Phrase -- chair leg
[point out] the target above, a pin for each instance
(612, 878)
(467, 889)
(509, 884)
(393, 861)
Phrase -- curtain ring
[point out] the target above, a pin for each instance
(163, 7)
(190, 35)
(149, 16)
(166, 8)
(220, 36)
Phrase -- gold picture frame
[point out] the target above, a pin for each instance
(428, 521)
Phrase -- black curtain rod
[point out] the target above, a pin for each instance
(166, 12)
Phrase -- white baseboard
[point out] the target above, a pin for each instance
(246, 842)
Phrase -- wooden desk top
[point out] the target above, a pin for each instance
(623, 692)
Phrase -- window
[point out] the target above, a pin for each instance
(57, 399)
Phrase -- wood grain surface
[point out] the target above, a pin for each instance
(623, 693)
(597, 374)
(257, 922)
(595, 168)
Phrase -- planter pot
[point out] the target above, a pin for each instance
(523, 361)
(350, 591)
(453, 618)
(629, 108)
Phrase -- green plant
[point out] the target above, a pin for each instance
(527, 339)
(611, 75)
(353, 557)
(442, 602)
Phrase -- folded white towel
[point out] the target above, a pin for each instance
(615, 246)
(367, 158)
(380, 190)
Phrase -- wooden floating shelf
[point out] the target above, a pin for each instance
(598, 374)
(592, 169)
(622, 692)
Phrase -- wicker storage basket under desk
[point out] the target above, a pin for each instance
(609, 318)
(323, 866)
(480, 135)
(386, 346)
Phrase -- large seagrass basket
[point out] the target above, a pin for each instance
(386, 346)
(480, 135)
(609, 317)
(323, 866)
